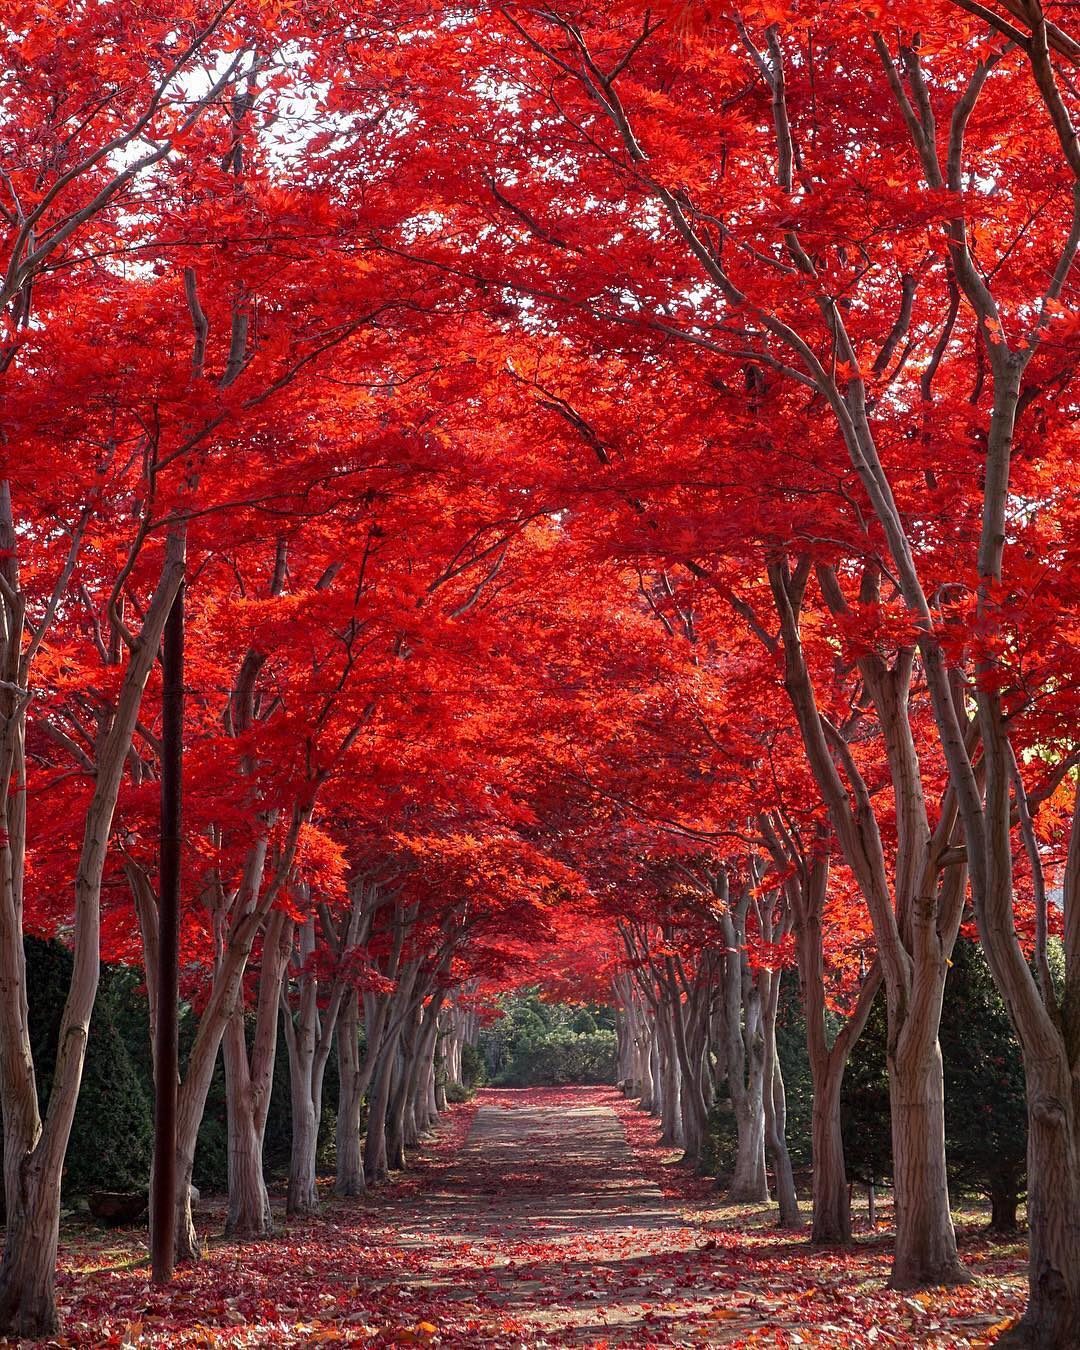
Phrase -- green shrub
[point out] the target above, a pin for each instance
(561, 1058)
(985, 1105)
(985, 1111)
(473, 1068)
(112, 1132)
(458, 1092)
(584, 1022)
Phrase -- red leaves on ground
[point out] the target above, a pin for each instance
(544, 1229)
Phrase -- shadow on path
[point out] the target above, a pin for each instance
(545, 1225)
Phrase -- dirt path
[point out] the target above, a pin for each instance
(546, 1227)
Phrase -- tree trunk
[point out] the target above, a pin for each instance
(832, 1197)
(1051, 1051)
(429, 1099)
(776, 1110)
(303, 1194)
(186, 1239)
(249, 1213)
(1004, 1202)
(750, 1184)
(1052, 1316)
(670, 1093)
(28, 1273)
(376, 1157)
(308, 1044)
(350, 1166)
(423, 1092)
(649, 1073)
(440, 1067)
(806, 896)
(745, 1056)
(925, 1252)
(400, 1133)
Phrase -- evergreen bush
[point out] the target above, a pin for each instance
(562, 1057)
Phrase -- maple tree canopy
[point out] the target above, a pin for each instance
(621, 465)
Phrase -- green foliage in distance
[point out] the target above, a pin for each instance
(474, 1072)
(538, 1044)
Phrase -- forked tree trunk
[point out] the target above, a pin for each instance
(248, 1083)
(915, 912)
(308, 1040)
(807, 887)
(253, 904)
(684, 1041)
(248, 1214)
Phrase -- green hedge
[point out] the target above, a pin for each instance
(112, 1134)
(561, 1057)
(985, 1111)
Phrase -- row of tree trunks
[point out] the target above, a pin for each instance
(396, 1004)
(684, 1037)
(458, 1027)
(740, 1046)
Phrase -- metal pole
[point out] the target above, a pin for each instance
(166, 1046)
